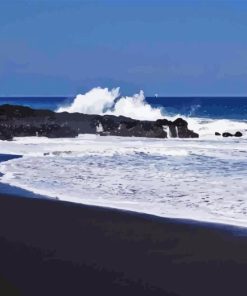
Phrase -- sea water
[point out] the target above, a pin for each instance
(202, 179)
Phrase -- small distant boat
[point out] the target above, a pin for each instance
(156, 95)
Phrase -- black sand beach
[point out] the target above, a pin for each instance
(58, 248)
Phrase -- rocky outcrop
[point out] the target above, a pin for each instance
(16, 121)
(177, 128)
(227, 134)
(238, 134)
(5, 134)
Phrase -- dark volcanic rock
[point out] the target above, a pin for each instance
(238, 134)
(5, 134)
(177, 128)
(136, 128)
(217, 134)
(226, 135)
(183, 131)
(18, 121)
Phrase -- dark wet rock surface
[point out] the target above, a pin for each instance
(227, 134)
(19, 121)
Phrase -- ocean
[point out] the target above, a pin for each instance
(200, 179)
(204, 107)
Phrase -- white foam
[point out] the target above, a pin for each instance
(96, 101)
(207, 127)
(105, 101)
(196, 179)
(88, 145)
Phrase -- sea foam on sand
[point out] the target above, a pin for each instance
(196, 179)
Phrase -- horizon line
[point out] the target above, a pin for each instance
(148, 96)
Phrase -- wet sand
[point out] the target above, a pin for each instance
(52, 247)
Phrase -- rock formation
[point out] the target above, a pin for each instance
(19, 121)
(227, 134)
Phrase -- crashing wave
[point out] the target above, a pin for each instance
(106, 101)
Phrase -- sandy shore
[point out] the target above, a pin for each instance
(58, 248)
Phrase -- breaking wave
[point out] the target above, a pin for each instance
(105, 101)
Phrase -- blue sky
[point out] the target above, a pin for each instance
(173, 48)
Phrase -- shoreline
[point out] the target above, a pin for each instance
(57, 247)
(8, 189)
